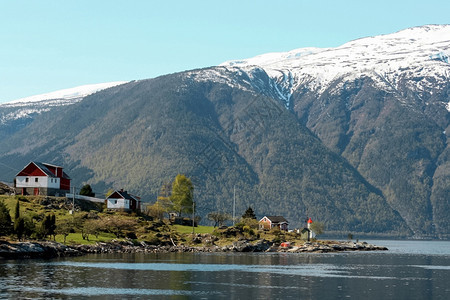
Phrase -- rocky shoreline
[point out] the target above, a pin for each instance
(49, 249)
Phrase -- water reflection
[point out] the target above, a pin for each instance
(381, 275)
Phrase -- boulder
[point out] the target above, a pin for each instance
(6, 189)
(242, 246)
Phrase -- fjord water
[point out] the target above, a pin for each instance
(409, 270)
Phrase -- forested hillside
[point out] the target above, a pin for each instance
(140, 135)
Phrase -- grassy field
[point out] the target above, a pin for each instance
(76, 239)
(188, 229)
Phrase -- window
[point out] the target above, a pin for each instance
(36, 179)
(27, 179)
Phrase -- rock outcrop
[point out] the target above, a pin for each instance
(41, 249)
(6, 189)
(334, 247)
(48, 249)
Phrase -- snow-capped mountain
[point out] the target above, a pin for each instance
(26, 107)
(419, 54)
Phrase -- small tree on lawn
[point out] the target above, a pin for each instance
(218, 218)
(182, 194)
(64, 227)
(92, 226)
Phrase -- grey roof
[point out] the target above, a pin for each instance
(125, 195)
(44, 168)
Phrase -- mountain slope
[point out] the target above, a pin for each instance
(382, 103)
(141, 134)
(16, 114)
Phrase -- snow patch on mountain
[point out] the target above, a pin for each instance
(416, 53)
(66, 94)
(25, 108)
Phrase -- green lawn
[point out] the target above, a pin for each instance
(188, 229)
(75, 238)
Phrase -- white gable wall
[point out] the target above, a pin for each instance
(37, 181)
(118, 203)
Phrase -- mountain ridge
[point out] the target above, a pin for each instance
(383, 58)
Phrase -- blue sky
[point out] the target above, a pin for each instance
(52, 45)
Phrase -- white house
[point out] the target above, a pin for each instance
(122, 200)
(38, 178)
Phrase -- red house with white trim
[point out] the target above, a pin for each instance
(42, 179)
(269, 222)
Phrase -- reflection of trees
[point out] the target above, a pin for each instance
(252, 276)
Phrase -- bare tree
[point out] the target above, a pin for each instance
(218, 218)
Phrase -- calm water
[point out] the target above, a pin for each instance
(409, 270)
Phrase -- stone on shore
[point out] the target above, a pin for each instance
(49, 249)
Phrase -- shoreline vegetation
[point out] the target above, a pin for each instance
(52, 249)
(42, 227)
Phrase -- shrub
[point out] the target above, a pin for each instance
(6, 226)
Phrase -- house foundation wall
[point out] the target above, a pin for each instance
(42, 191)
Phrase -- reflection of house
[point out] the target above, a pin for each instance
(269, 222)
(122, 200)
(42, 179)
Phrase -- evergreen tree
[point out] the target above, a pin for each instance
(19, 227)
(182, 194)
(29, 227)
(86, 190)
(5, 220)
(19, 223)
(17, 211)
(249, 214)
(49, 225)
